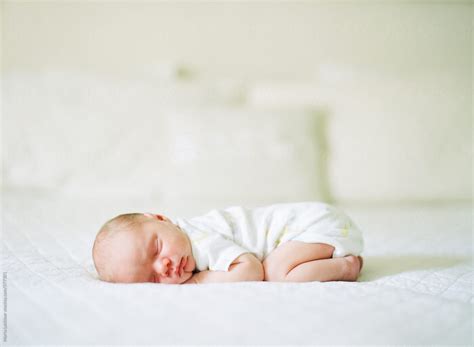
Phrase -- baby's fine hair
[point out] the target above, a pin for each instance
(122, 223)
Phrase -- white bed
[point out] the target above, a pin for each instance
(92, 130)
(416, 286)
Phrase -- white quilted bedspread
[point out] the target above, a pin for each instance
(416, 286)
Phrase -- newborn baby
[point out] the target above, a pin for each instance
(292, 242)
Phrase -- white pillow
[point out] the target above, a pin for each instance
(284, 94)
(224, 156)
(81, 133)
(400, 137)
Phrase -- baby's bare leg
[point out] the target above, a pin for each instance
(296, 261)
(335, 269)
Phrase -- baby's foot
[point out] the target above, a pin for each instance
(354, 265)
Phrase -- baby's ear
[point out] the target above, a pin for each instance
(157, 216)
(163, 218)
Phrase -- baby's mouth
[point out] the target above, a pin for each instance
(182, 264)
(185, 261)
(178, 267)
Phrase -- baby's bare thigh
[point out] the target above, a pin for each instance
(293, 253)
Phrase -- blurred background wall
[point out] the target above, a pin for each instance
(106, 97)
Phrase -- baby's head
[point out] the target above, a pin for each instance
(142, 247)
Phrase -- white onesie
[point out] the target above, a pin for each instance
(220, 236)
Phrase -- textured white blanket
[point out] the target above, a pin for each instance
(416, 286)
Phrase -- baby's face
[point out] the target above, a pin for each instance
(158, 252)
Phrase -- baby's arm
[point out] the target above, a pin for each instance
(246, 267)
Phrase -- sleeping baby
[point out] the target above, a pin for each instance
(287, 242)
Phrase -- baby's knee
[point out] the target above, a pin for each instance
(258, 273)
(254, 270)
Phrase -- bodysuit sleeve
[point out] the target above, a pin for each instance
(214, 251)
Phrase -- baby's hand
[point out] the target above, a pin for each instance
(192, 280)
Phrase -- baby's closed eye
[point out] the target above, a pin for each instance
(158, 247)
